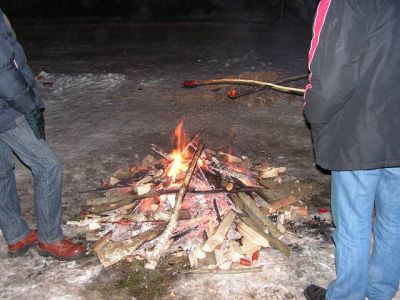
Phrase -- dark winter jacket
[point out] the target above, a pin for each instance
(353, 99)
(17, 82)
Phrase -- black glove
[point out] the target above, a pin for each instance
(35, 120)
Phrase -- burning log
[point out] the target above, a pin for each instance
(166, 235)
(218, 237)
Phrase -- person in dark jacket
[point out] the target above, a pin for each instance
(352, 103)
(22, 133)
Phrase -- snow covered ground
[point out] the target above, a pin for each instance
(116, 89)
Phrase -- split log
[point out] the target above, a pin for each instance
(114, 252)
(209, 261)
(167, 234)
(272, 172)
(107, 200)
(102, 242)
(227, 185)
(248, 247)
(235, 251)
(252, 235)
(218, 237)
(126, 209)
(280, 203)
(143, 189)
(264, 204)
(223, 262)
(246, 204)
(94, 222)
(229, 157)
(273, 241)
(302, 211)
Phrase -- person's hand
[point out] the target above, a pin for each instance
(35, 120)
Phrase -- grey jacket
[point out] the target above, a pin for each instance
(353, 99)
(17, 82)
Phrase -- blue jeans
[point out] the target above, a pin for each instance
(47, 175)
(361, 273)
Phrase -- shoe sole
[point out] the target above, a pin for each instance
(61, 258)
(20, 252)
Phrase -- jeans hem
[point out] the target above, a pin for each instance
(52, 241)
(21, 237)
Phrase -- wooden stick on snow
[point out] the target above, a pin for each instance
(173, 222)
(277, 87)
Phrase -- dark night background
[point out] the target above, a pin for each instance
(154, 10)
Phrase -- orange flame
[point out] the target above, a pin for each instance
(179, 157)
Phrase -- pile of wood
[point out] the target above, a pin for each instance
(219, 210)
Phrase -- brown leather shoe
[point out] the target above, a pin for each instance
(22, 246)
(62, 250)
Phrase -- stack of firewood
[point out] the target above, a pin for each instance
(219, 210)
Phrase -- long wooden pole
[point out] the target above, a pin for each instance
(163, 243)
(273, 86)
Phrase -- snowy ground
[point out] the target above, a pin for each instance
(116, 89)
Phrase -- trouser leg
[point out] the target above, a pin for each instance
(13, 227)
(353, 194)
(47, 174)
(384, 264)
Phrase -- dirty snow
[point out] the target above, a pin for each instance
(111, 98)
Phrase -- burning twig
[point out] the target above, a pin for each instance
(160, 152)
(166, 235)
(192, 140)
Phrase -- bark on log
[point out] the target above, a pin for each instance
(167, 234)
(102, 242)
(113, 252)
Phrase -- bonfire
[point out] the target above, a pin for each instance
(211, 205)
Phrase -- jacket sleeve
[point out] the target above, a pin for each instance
(338, 38)
(15, 90)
